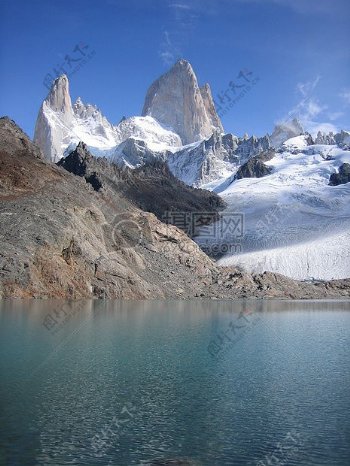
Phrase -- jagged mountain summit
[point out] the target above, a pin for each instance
(176, 111)
(342, 139)
(179, 112)
(215, 158)
(177, 102)
(61, 125)
(137, 140)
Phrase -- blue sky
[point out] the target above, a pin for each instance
(299, 50)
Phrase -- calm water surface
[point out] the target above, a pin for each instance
(217, 382)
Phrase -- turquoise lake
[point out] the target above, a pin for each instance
(218, 383)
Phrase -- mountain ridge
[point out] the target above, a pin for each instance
(63, 239)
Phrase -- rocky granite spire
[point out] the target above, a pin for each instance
(54, 119)
(210, 107)
(177, 102)
(58, 98)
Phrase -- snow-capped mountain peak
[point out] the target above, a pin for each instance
(176, 111)
(147, 128)
(60, 126)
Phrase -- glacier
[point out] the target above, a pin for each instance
(294, 222)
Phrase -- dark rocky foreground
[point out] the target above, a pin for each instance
(66, 236)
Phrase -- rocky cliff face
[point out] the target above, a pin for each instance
(177, 102)
(54, 119)
(210, 107)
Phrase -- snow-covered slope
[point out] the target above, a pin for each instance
(325, 257)
(149, 130)
(294, 223)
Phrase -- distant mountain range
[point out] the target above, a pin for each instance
(179, 125)
(291, 189)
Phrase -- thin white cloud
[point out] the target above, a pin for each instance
(181, 6)
(177, 33)
(309, 111)
(313, 108)
(304, 7)
(313, 127)
(306, 109)
(335, 115)
(309, 6)
(168, 52)
(345, 95)
(167, 58)
(307, 87)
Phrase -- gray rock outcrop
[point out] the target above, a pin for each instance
(15, 141)
(255, 167)
(342, 177)
(151, 187)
